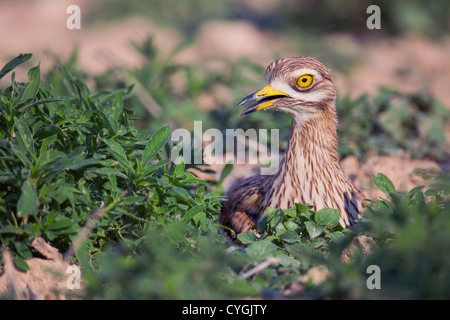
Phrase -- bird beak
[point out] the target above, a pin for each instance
(264, 98)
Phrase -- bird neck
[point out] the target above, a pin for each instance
(310, 168)
(312, 140)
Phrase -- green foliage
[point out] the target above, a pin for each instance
(397, 17)
(411, 234)
(176, 261)
(390, 122)
(385, 123)
(14, 63)
(294, 237)
(184, 16)
(176, 88)
(409, 231)
(173, 261)
(68, 158)
(64, 158)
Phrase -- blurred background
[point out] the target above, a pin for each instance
(194, 60)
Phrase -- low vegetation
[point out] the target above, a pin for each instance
(72, 157)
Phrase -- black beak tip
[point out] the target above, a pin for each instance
(247, 99)
(250, 109)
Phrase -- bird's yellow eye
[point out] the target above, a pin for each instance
(305, 81)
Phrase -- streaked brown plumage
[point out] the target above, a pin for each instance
(310, 171)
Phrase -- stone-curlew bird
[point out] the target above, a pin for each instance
(310, 171)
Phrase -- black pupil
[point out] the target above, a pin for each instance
(304, 80)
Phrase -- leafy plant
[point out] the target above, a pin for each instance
(385, 123)
(390, 122)
(429, 19)
(73, 159)
(65, 159)
(411, 237)
(408, 232)
(172, 261)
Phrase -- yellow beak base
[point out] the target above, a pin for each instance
(266, 92)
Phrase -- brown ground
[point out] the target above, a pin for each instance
(46, 279)
(407, 64)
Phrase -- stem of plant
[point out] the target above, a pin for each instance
(84, 233)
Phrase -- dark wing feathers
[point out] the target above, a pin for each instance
(241, 210)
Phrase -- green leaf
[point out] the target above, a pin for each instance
(14, 63)
(179, 168)
(149, 169)
(48, 131)
(262, 223)
(183, 193)
(131, 200)
(261, 250)
(247, 237)
(46, 100)
(28, 201)
(313, 229)
(21, 263)
(276, 219)
(117, 106)
(192, 213)
(23, 250)
(199, 217)
(61, 224)
(119, 153)
(415, 190)
(225, 172)
(19, 152)
(10, 229)
(302, 208)
(336, 236)
(291, 212)
(383, 183)
(34, 76)
(48, 141)
(319, 242)
(378, 183)
(24, 137)
(388, 183)
(116, 147)
(290, 236)
(109, 171)
(156, 143)
(292, 225)
(428, 193)
(328, 217)
(288, 261)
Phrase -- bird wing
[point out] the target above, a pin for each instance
(243, 207)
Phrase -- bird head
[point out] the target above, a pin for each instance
(300, 86)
